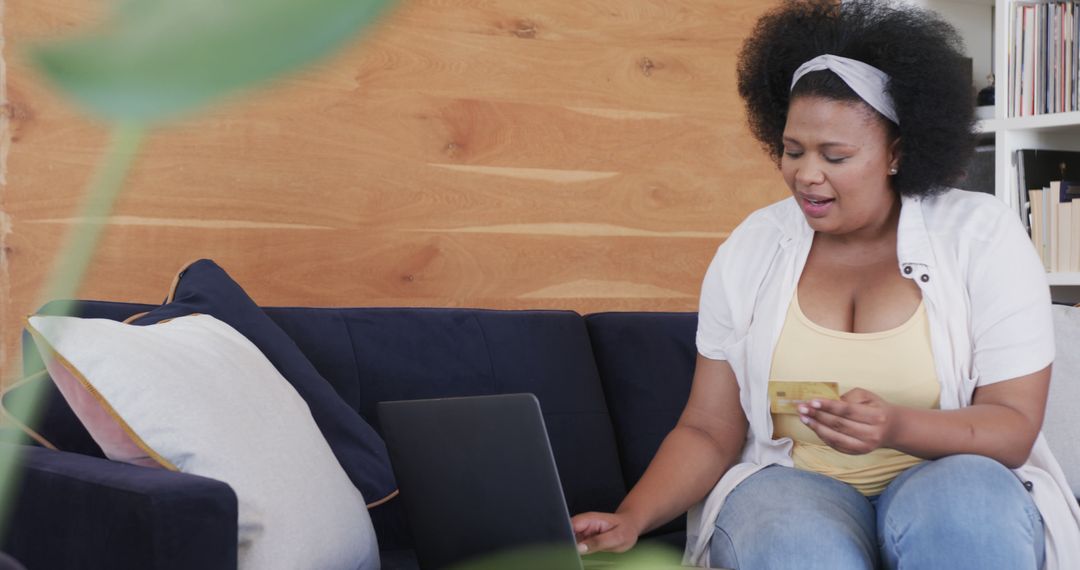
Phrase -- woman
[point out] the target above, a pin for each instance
(927, 306)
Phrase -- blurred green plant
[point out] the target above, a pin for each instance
(152, 61)
(155, 59)
(644, 556)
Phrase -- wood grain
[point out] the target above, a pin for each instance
(582, 155)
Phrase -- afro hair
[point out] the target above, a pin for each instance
(929, 82)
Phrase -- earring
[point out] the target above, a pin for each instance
(893, 171)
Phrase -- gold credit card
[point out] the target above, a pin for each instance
(784, 396)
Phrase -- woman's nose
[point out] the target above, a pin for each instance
(809, 175)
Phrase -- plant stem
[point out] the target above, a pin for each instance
(67, 274)
(63, 284)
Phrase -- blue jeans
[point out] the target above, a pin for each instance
(962, 511)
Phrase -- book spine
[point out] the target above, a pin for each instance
(1059, 53)
(1010, 54)
(1074, 261)
(1047, 227)
(1027, 66)
(1037, 223)
(1016, 51)
(1067, 50)
(1055, 16)
(1039, 53)
(1064, 235)
(1063, 57)
(1051, 61)
(1052, 231)
(1023, 196)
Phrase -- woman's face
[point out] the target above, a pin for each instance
(837, 156)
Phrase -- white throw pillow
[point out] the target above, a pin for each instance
(200, 398)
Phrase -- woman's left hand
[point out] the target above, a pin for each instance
(859, 422)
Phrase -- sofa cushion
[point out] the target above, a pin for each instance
(1060, 427)
(646, 363)
(430, 353)
(205, 288)
(193, 395)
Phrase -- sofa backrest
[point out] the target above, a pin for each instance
(375, 355)
(610, 381)
(646, 363)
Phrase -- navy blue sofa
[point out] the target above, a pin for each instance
(611, 386)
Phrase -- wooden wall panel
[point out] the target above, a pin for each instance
(490, 153)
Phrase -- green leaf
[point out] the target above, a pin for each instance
(644, 556)
(154, 59)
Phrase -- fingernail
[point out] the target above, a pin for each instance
(805, 420)
(804, 410)
(582, 548)
(816, 404)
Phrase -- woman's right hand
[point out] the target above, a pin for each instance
(604, 532)
(707, 439)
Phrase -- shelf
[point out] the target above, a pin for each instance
(1060, 131)
(1063, 278)
(1048, 122)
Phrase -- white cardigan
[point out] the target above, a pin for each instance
(987, 300)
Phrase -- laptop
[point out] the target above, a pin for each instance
(479, 482)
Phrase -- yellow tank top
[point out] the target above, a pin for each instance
(896, 364)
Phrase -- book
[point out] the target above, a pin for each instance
(1064, 236)
(1038, 220)
(1048, 228)
(1042, 57)
(1056, 193)
(1018, 45)
(1027, 84)
(1052, 228)
(1037, 167)
(1074, 263)
(1050, 38)
(1064, 25)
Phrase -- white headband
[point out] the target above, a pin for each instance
(867, 81)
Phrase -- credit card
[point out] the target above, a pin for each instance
(784, 396)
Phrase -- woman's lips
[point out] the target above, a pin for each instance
(815, 207)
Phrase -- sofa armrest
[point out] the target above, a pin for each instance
(76, 511)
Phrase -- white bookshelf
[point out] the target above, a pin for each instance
(1054, 131)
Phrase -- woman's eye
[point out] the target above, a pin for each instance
(835, 160)
(792, 154)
